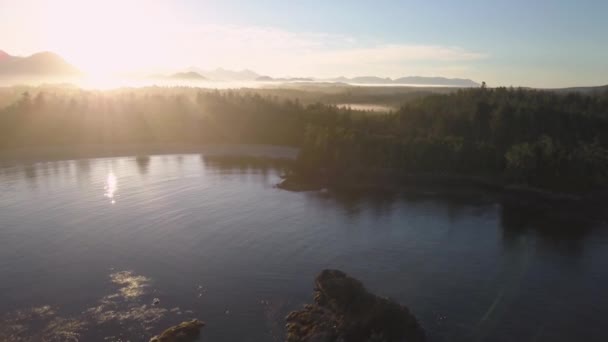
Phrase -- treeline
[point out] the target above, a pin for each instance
(521, 136)
(155, 115)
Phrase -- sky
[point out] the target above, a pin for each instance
(537, 43)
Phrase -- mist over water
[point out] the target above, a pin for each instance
(116, 82)
(86, 245)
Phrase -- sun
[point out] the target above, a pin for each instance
(107, 37)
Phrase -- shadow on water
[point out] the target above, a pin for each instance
(554, 230)
(559, 230)
(246, 164)
(83, 171)
(381, 203)
(143, 164)
(30, 175)
(13, 172)
(37, 174)
(29, 171)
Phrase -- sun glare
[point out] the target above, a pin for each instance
(108, 37)
(110, 187)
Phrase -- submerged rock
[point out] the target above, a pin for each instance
(188, 331)
(345, 311)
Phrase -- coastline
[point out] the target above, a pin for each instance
(461, 185)
(381, 181)
(55, 153)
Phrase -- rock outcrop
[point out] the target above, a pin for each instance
(344, 311)
(188, 331)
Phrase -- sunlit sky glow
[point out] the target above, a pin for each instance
(541, 43)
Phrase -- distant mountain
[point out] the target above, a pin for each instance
(413, 80)
(191, 76)
(264, 79)
(39, 65)
(48, 65)
(4, 56)
(226, 75)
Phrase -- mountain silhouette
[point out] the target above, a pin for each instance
(221, 74)
(42, 64)
(192, 76)
(4, 56)
(49, 65)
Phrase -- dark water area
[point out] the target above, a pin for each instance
(86, 246)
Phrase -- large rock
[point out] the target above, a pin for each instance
(345, 312)
(188, 331)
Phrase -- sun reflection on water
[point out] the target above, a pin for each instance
(111, 187)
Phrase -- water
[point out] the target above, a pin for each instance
(86, 246)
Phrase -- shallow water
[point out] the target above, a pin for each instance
(87, 245)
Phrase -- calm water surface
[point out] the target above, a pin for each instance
(87, 245)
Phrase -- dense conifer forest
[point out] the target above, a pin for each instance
(540, 138)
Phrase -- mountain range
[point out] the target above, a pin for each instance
(221, 74)
(48, 65)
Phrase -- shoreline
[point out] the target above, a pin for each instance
(57, 153)
(429, 184)
(425, 183)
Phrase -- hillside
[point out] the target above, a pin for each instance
(42, 64)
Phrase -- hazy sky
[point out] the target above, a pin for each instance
(517, 42)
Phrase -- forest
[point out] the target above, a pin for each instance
(522, 136)
(519, 136)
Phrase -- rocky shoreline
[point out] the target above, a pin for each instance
(343, 311)
(188, 331)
